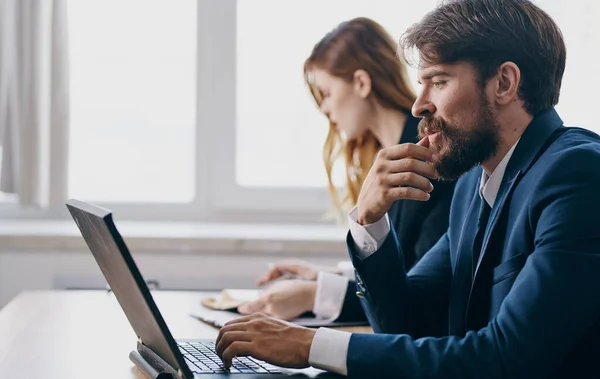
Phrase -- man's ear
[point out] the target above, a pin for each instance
(362, 83)
(508, 79)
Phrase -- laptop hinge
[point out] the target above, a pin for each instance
(153, 365)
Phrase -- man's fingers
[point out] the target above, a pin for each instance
(230, 337)
(408, 193)
(409, 179)
(424, 142)
(243, 319)
(406, 150)
(235, 349)
(230, 328)
(238, 324)
(411, 165)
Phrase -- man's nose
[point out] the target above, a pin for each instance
(423, 107)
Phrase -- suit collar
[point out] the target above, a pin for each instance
(521, 155)
(530, 146)
(490, 185)
(533, 139)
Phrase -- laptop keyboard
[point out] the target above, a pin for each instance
(201, 358)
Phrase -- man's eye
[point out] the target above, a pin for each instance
(438, 85)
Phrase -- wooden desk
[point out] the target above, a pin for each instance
(85, 334)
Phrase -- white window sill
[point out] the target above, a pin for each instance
(183, 237)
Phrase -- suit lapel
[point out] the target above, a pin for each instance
(461, 279)
(497, 210)
(532, 144)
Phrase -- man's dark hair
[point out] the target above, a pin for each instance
(487, 33)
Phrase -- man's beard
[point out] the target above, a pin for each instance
(466, 144)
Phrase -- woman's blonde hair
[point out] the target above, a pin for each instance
(358, 44)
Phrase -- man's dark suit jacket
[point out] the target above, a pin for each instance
(532, 308)
(419, 225)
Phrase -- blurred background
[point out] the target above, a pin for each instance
(191, 121)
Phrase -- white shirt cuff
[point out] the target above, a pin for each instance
(346, 269)
(368, 238)
(329, 350)
(331, 292)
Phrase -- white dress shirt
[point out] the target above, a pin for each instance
(331, 291)
(329, 347)
(347, 269)
(330, 295)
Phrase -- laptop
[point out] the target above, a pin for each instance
(158, 355)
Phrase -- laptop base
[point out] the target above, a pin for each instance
(154, 367)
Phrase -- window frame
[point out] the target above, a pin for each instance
(220, 19)
(217, 195)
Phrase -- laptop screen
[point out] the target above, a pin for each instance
(125, 280)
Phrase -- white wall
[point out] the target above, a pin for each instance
(50, 269)
(47, 254)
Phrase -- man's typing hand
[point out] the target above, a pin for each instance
(262, 337)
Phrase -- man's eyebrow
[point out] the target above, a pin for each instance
(432, 73)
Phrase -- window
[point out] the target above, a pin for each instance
(6, 197)
(577, 20)
(279, 130)
(133, 69)
(198, 109)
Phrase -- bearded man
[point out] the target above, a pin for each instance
(512, 290)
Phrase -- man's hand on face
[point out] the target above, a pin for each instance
(399, 172)
(262, 337)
